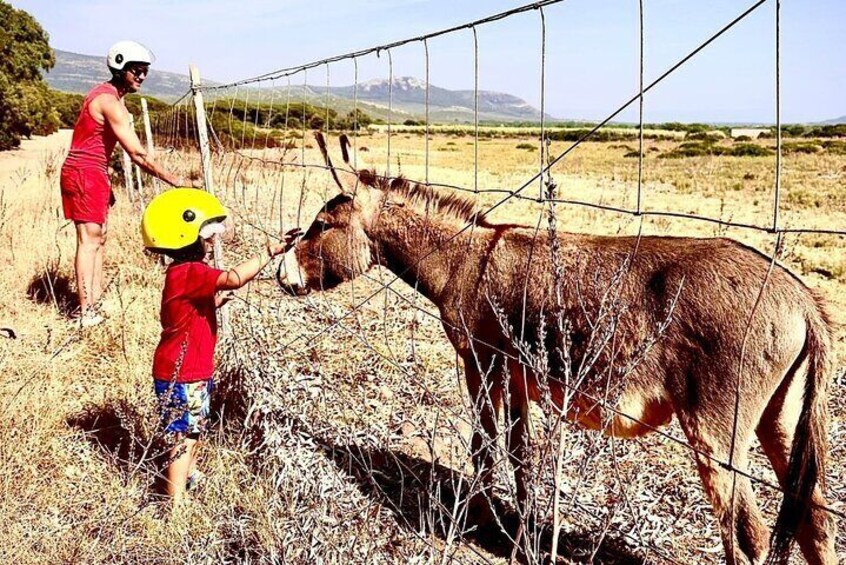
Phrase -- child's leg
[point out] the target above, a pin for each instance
(195, 452)
(199, 400)
(181, 459)
(184, 411)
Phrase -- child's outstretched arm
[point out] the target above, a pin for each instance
(238, 276)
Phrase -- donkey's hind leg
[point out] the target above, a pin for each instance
(744, 534)
(775, 432)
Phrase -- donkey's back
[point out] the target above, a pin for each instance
(710, 330)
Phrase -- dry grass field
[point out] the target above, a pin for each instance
(341, 435)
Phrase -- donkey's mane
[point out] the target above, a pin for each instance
(423, 196)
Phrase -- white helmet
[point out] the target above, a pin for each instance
(124, 52)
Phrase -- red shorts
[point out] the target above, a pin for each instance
(86, 194)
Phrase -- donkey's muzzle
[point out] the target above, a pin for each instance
(290, 277)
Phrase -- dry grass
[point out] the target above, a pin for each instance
(345, 442)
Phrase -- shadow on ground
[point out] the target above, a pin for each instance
(116, 429)
(53, 287)
(414, 489)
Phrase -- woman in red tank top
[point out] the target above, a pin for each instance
(86, 191)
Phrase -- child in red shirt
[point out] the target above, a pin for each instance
(182, 224)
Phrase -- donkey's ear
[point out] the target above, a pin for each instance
(345, 148)
(354, 160)
(321, 143)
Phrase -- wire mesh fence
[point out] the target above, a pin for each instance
(365, 371)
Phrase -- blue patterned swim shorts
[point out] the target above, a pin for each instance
(184, 407)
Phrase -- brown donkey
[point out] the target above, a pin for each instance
(687, 320)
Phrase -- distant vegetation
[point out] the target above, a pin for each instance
(701, 148)
(237, 124)
(28, 106)
(798, 130)
(67, 107)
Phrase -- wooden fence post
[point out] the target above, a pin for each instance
(208, 181)
(148, 133)
(127, 176)
(137, 171)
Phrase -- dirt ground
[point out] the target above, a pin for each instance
(343, 444)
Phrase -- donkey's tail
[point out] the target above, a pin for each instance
(809, 452)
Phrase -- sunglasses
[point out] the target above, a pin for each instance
(138, 71)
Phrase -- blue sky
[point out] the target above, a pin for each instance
(592, 48)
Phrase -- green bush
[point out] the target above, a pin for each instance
(689, 149)
(833, 130)
(742, 139)
(678, 126)
(527, 146)
(25, 107)
(154, 105)
(706, 136)
(793, 130)
(835, 146)
(600, 135)
(749, 150)
(293, 115)
(237, 124)
(800, 147)
(702, 148)
(67, 107)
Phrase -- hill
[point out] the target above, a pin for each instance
(835, 121)
(78, 73)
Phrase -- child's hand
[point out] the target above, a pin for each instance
(288, 242)
(274, 249)
(223, 298)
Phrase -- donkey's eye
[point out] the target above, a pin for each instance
(317, 227)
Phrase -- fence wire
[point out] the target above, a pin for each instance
(239, 159)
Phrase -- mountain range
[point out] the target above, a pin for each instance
(78, 73)
(403, 98)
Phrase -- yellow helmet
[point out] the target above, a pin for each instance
(173, 219)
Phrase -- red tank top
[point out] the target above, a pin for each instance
(92, 143)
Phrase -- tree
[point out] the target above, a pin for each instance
(25, 106)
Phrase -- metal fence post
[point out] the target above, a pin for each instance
(208, 181)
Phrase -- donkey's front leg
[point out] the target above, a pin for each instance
(519, 455)
(486, 396)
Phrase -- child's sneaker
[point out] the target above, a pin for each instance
(194, 480)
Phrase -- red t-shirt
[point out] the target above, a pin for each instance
(189, 325)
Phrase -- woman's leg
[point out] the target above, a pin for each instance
(97, 281)
(89, 242)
